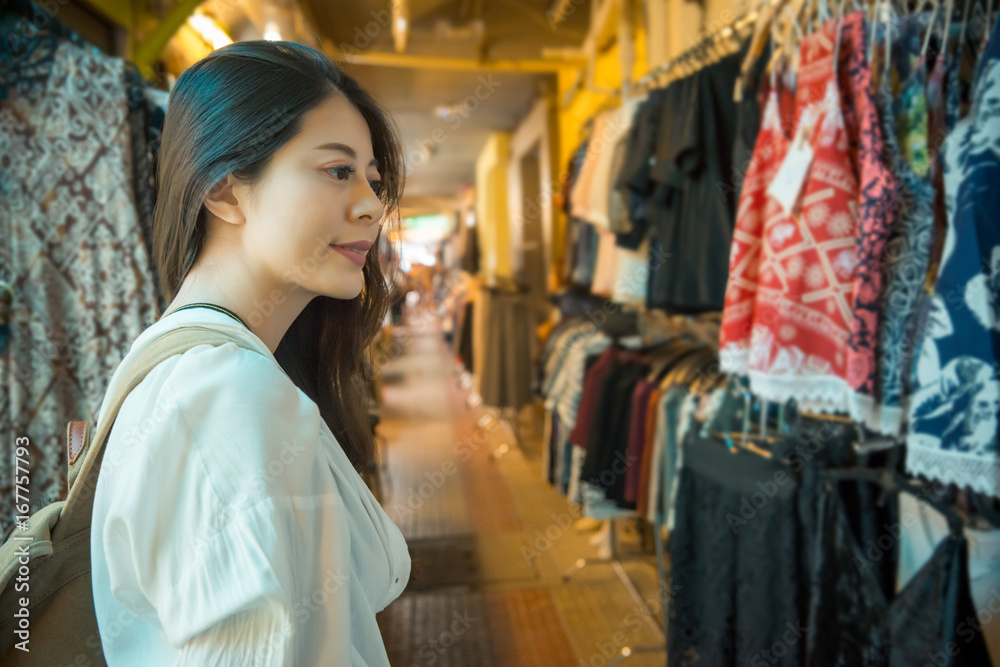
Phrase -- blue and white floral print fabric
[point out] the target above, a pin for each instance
(955, 407)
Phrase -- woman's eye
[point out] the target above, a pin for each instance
(341, 173)
(376, 187)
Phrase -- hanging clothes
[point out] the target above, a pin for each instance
(635, 176)
(598, 149)
(851, 622)
(923, 529)
(615, 129)
(692, 225)
(728, 562)
(955, 406)
(907, 255)
(505, 375)
(755, 207)
(74, 252)
(618, 201)
(796, 343)
(877, 191)
(753, 97)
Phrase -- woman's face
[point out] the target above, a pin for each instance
(315, 215)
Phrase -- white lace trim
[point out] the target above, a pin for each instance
(734, 358)
(980, 473)
(882, 419)
(812, 393)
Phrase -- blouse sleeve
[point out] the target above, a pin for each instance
(238, 602)
(225, 531)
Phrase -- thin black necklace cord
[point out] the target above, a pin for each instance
(217, 308)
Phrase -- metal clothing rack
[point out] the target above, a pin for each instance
(680, 325)
(616, 564)
(707, 46)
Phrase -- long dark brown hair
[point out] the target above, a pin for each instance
(229, 113)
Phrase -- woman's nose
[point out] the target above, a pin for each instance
(367, 206)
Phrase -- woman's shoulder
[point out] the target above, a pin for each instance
(220, 455)
(222, 416)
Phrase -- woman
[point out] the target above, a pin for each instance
(230, 525)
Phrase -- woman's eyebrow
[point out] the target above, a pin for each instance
(344, 148)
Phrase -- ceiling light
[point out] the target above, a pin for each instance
(400, 24)
(209, 30)
(271, 31)
(444, 112)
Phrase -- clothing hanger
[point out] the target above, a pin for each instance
(836, 41)
(863, 446)
(949, 8)
(697, 365)
(965, 23)
(985, 17)
(891, 482)
(756, 442)
(930, 31)
(887, 14)
(745, 442)
(708, 377)
(762, 32)
(789, 43)
(980, 15)
(666, 361)
(873, 22)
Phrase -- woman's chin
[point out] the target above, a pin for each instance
(346, 290)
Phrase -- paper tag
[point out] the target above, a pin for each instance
(787, 183)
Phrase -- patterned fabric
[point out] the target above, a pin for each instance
(804, 301)
(744, 260)
(955, 405)
(564, 399)
(74, 252)
(562, 346)
(905, 261)
(877, 191)
(910, 112)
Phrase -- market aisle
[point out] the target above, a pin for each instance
(489, 538)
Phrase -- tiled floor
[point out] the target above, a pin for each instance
(490, 539)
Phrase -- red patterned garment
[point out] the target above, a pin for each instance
(801, 304)
(744, 259)
(877, 189)
(804, 305)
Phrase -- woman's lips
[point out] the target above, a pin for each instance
(356, 255)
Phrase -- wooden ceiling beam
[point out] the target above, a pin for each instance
(441, 63)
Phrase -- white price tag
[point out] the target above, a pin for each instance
(787, 183)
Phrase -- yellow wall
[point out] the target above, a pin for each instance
(581, 108)
(492, 219)
(585, 103)
(685, 24)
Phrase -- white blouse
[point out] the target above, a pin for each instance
(229, 527)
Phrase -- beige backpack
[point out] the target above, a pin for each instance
(45, 591)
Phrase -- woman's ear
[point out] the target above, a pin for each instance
(223, 202)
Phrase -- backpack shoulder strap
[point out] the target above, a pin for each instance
(87, 453)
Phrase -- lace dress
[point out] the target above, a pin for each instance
(734, 561)
(852, 623)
